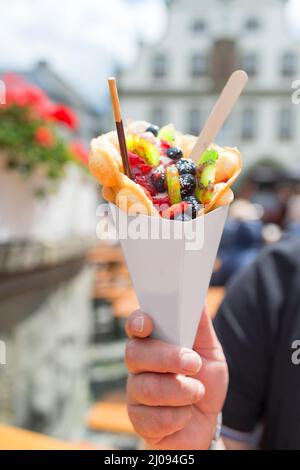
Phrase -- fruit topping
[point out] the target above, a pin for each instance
(145, 182)
(167, 133)
(150, 138)
(206, 171)
(165, 145)
(165, 161)
(138, 166)
(161, 200)
(144, 149)
(194, 205)
(158, 179)
(153, 129)
(173, 184)
(186, 167)
(177, 212)
(187, 185)
(175, 153)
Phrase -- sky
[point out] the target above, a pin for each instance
(83, 40)
(293, 17)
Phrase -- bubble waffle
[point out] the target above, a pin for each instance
(214, 174)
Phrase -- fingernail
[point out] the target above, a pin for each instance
(190, 362)
(138, 324)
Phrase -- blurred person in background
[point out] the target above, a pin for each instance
(293, 217)
(245, 366)
(271, 233)
(241, 241)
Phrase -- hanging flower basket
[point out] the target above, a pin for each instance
(45, 189)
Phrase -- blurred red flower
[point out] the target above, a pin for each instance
(65, 115)
(80, 152)
(44, 137)
(21, 93)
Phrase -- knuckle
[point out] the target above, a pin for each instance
(150, 387)
(197, 393)
(140, 388)
(189, 389)
(166, 360)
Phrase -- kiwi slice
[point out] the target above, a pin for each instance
(167, 133)
(146, 150)
(206, 172)
(173, 184)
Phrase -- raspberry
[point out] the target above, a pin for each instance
(134, 159)
(165, 144)
(145, 182)
(145, 169)
(161, 200)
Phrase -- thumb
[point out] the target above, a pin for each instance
(139, 325)
(206, 341)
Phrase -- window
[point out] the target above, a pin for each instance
(199, 66)
(289, 64)
(249, 64)
(223, 60)
(286, 124)
(158, 117)
(248, 124)
(159, 66)
(195, 122)
(252, 24)
(198, 26)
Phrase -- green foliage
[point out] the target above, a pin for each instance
(22, 149)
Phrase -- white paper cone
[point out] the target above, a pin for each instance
(171, 276)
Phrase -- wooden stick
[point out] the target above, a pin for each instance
(119, 124)
(220, 112)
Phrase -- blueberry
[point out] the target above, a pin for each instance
(158, 179)
(194, 205)
(187, 185)
(153, 129)
(186, 167)
(175, 153)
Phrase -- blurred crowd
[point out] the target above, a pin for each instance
(266, 210)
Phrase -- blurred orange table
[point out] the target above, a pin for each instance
(110, 417)
(20, 439)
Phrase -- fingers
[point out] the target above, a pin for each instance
(156, 356)
(157, 423)
(163, 390)
(206, 342)
(139, 324)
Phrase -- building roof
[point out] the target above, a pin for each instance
(59, 90)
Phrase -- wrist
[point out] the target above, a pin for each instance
(217, 434)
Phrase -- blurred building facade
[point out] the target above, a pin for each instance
(179, 79)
